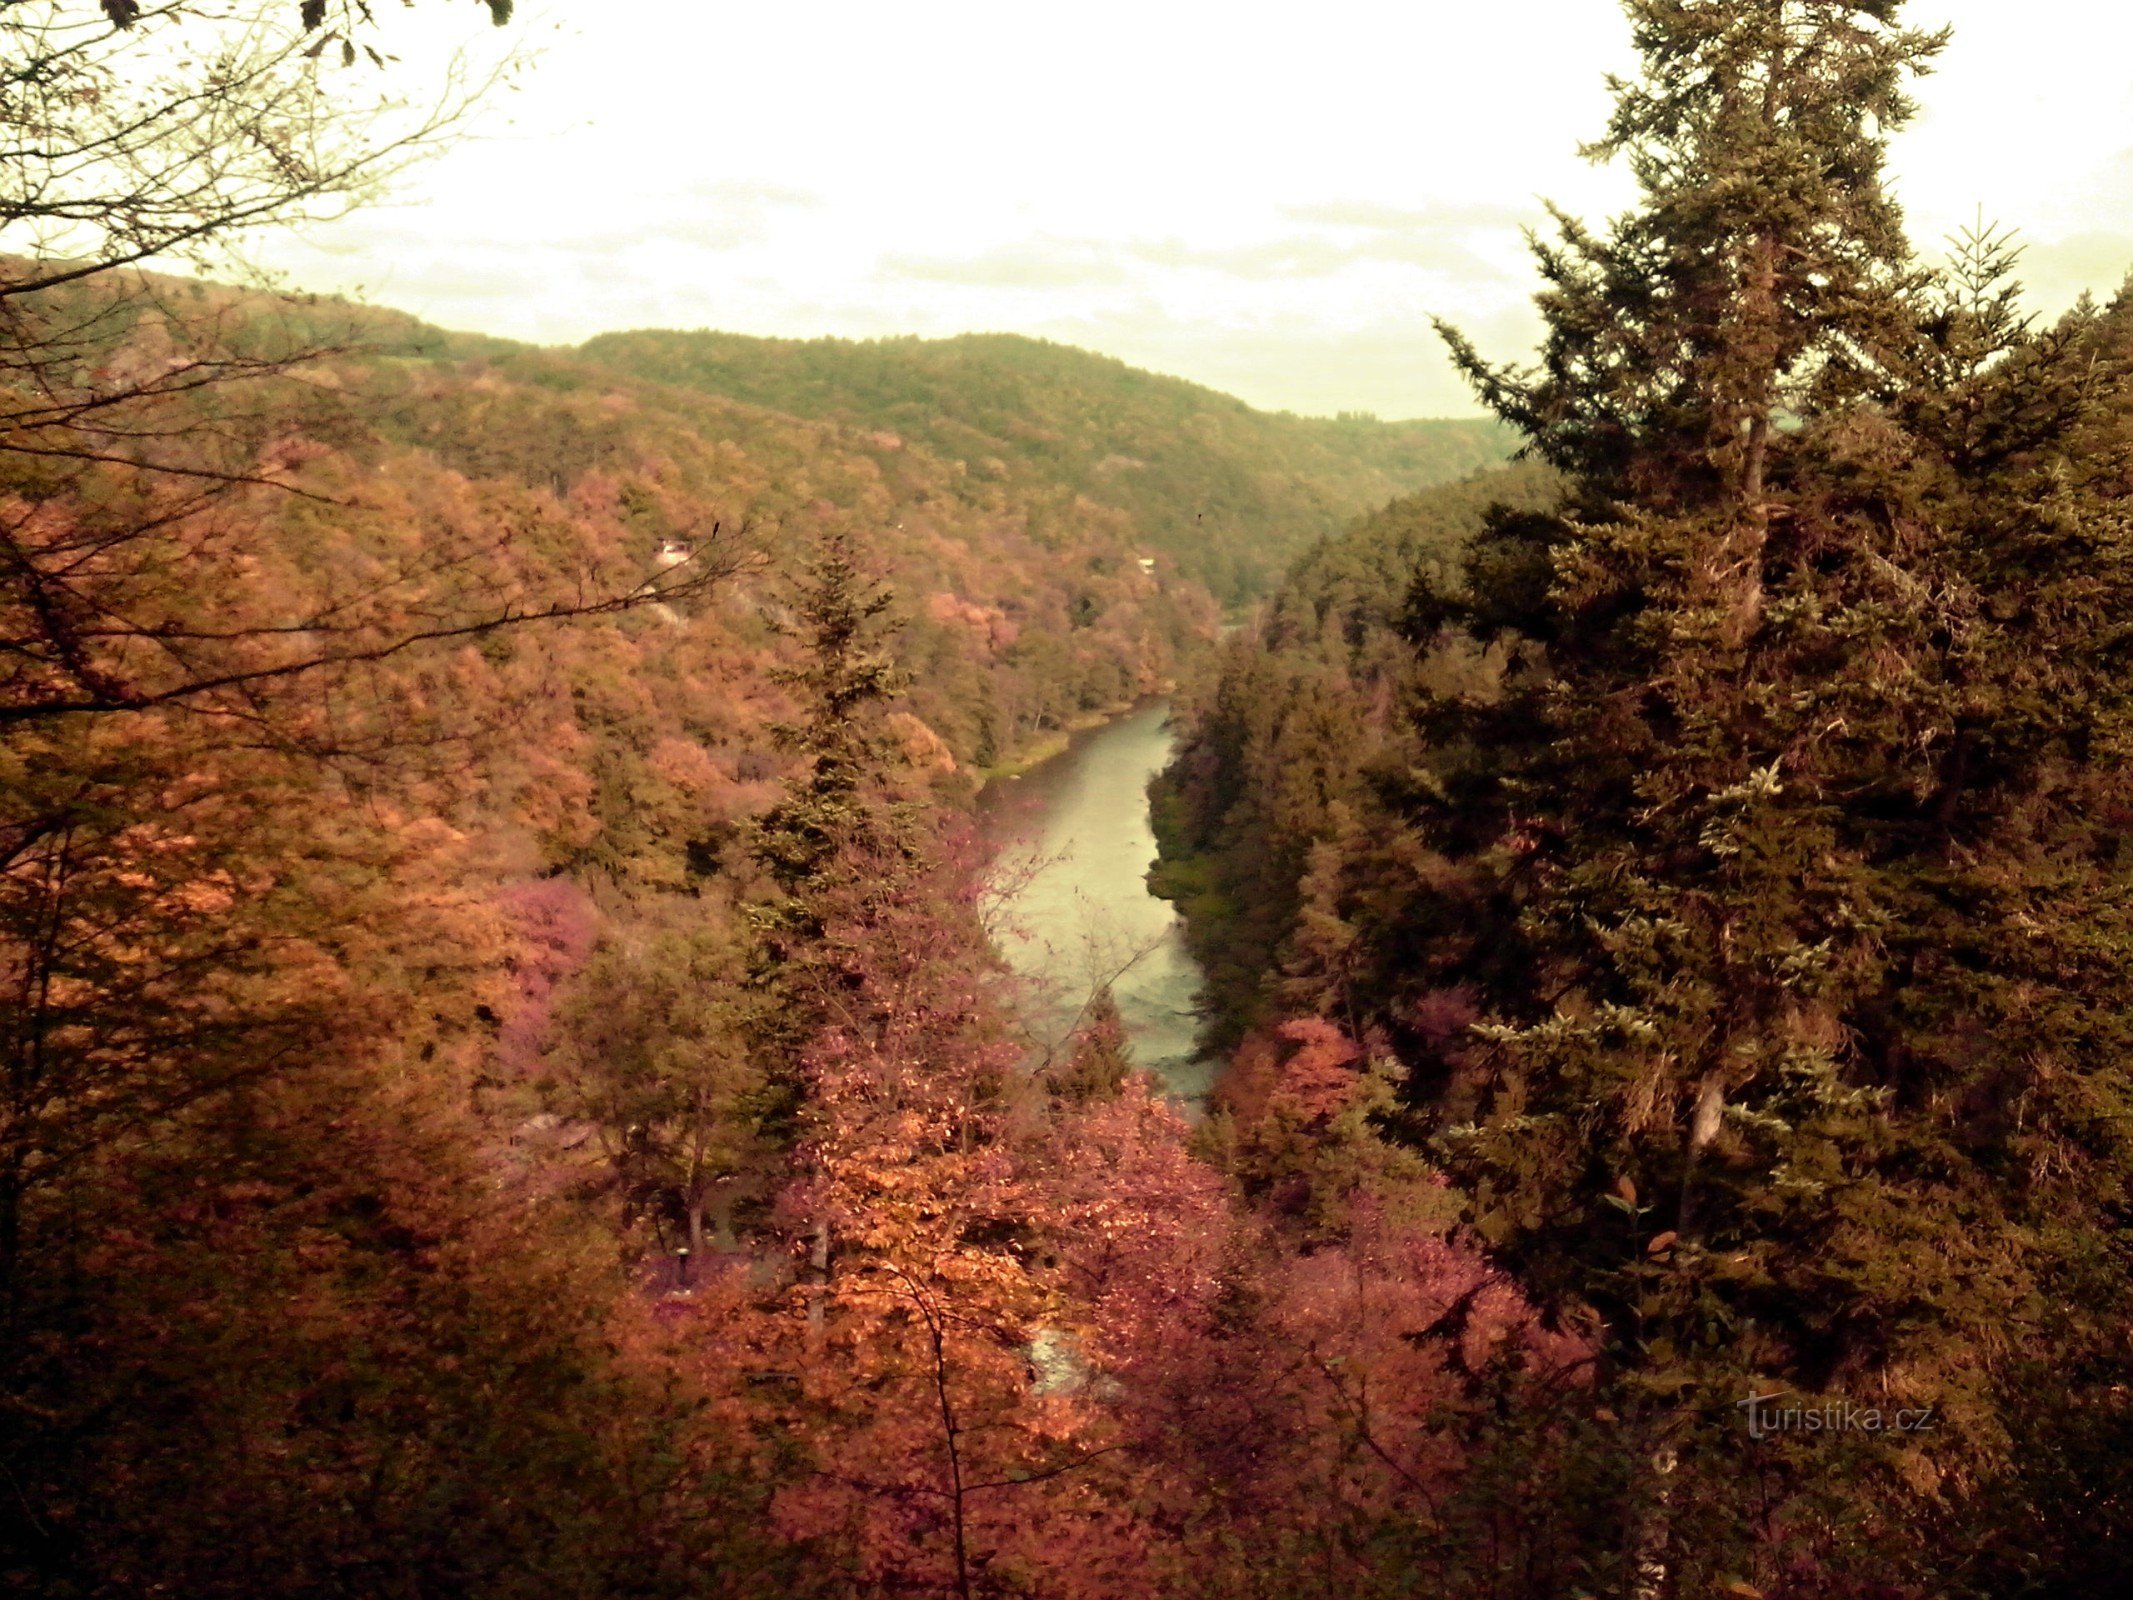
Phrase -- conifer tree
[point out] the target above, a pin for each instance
(836, 801)
(837, 821)
(1099, 1056)
(1779, 862)
(1764, 273)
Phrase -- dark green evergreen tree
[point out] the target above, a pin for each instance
(1764, 274)
(836, 808)
(840, 833)
(1782, 864)
(1099, 1057)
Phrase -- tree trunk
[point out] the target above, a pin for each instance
(951, 1434)
(11, 1188)
(695, 1209)
(722, 1226)
(1751, 532)
(818, 1293)
(1651, 1531)
(1706, 1117)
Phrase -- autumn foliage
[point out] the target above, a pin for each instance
(536, 1112)
(505, 1091)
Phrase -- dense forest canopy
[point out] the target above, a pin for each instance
(507, 1087)
(1724, 843)
(1223, 493)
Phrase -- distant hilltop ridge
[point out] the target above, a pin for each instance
(1220, 493)
(1228, 494)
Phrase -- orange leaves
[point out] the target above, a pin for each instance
(1305, 1392)
(1319, 1079)
(205, 897)
(922, 749)
(555, 927)
(1141, 1226)
(925, 1229)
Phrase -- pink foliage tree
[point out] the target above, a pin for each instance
(556, 927)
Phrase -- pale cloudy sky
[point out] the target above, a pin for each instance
(1271, 199)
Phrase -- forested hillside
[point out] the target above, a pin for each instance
(1713, 833)
(1018, 614)
(1221, 493)
(509, 1088)
(1281, 758)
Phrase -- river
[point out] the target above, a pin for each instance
(1074, 847)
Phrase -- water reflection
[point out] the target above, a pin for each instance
(1075, 848)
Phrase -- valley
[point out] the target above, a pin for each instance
(654, 963)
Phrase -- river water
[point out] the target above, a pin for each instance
(1074, 847)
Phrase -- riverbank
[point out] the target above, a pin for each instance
(1075, 844)
(1058, 741)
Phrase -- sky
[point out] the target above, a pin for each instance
(1272, 200)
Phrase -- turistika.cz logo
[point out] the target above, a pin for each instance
(1766, 1418)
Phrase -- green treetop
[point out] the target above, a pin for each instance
(1765, 272)
(1780, 860)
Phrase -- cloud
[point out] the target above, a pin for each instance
(1315, 255)
(724, 214)
(755, 196)
(1394, 365)
(1047, 261)
(1042, 262)
(1372, 215)
(2056, 272)
(713, 216)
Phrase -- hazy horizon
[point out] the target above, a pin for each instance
(1275, 214)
